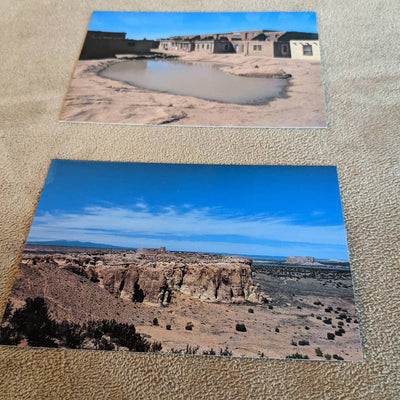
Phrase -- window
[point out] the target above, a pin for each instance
(198, 46)
(208, 46)
(307, 50)
(236, 47)
(257, 47)
(284, 49)
(202, 46)
(226, 47)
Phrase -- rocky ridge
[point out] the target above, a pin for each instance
(155, 275)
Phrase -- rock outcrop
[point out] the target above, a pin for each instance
(156, 276)
(297, 260)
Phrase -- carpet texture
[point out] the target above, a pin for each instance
(40, 42)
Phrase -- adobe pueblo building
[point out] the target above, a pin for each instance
(108, 44)
(297, 45)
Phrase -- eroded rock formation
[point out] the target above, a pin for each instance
(154, 276)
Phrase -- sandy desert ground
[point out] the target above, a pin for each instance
(301, 307)
(91, 98)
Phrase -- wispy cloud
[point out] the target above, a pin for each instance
(186, 228)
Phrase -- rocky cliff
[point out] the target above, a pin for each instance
(297, 260)
(156, 276)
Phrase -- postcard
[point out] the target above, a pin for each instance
(217, 260)
(236, 69)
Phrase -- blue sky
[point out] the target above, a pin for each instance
(155, 25)
(254, 210)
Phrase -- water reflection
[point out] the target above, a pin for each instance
(197, 80)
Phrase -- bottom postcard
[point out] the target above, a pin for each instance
(217, 260)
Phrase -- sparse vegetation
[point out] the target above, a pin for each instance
(241, 328)
(336, 357)
(327, 356)
(210, 352)
(155, 321)
(251, 311)
(330, 336)
(33, 324)
(277, 330)
(168, 327)
(189, 326)
(298, 356)
(304, 343)
(225, 352)
(318, 352)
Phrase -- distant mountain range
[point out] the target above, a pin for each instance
(74, 243)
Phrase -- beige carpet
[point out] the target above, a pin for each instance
(40, 41)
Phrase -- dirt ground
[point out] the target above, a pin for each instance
(91, 98)
(296, 320)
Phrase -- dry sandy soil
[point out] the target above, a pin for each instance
(302, 298)
(91, 98)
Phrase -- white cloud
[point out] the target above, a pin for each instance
(183, 228)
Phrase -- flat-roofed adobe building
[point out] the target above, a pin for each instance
(260, 42)
(100, 44)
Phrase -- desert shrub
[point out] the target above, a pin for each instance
(299, 307)
(355, 321)
(168, 327)
(155, 321)
(330, 336)
(318, 352)
(251, 311)
(33, 322)
(271, 307)
(340, 332)
(7, 311)
(336, 357)
(210, 352)
(155, 347)
(340, 323)
(189, 326)
(277, 329)
(241, 328)
(328, 309)
(293, 343)
(307, 328)
(348, 320)
(225, 352)
(8, 336)
(328, 356)
(304, 343)
(317, 303)
(319, 317)
(138, 294)
(191, 350)
(297, 356)
(327, 321)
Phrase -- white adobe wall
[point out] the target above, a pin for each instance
(296, 49)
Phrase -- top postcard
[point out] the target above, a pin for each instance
(258, 69)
